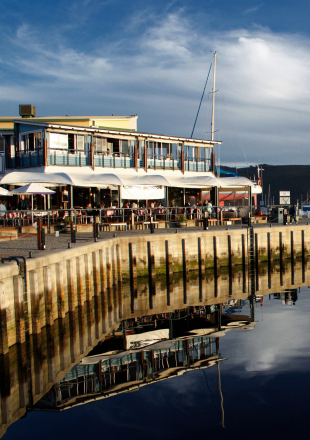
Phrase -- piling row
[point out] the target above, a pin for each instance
(60, 281)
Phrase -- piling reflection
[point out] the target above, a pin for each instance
(129, 336)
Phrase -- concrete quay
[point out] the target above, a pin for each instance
(57, 280)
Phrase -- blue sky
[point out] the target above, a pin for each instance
(152, 59)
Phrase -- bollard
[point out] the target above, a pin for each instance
(73, 233)
(96, 228)
(41, 236)
(152, 225)
(206, 223)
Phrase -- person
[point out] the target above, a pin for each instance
(89, 213)
(27, 203)
(21, 204)
(197, 210)
(101, 205)
(209, 208)
(127, 212)
(188, 210)
(2, 209)
(292, 213)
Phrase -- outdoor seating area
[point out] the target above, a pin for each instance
(117, 218)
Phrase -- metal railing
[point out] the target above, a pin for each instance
(131, 217)
(26, 159)
(68, 157)
(76, 157)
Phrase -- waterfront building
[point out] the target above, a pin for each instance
(105, 158)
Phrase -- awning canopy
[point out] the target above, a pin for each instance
(141, 192)
(87, 177)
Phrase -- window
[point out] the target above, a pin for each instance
(71, 143)
(58, 141)
(31, 141)
(23, 142)
(124, 147)
(2, 144)
(80, 141)
(37, 140)
(100, 144)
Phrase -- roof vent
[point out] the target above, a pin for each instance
(27, 111)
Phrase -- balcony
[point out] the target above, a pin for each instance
(99, 159)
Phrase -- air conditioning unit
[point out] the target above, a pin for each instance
(27, 111)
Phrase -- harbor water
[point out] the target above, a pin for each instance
(169, 365)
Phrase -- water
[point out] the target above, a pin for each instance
(259, 388)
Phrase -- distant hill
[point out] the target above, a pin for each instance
(294, 178)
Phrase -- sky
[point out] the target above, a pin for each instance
(152, 59)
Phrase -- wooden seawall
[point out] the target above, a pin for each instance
(59, 281)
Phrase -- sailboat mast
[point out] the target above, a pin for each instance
(213, 98)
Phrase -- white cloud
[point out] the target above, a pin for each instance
(251, 10)
(160, 75)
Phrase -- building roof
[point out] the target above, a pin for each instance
(66, 117)
(122, 132)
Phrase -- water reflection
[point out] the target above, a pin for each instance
(144, 350)
(130, 337)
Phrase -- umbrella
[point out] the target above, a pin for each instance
(4, 192)
(32, 188)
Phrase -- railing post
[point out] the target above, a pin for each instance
(145, 159)
(19, 222)
(48, 223)
(45, 153)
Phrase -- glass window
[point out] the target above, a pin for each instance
(100, 144)
(2, 144)
(31, 141)
(58, 141)
(23, 142)
(124, 147)
(38, 141)
(80, 141)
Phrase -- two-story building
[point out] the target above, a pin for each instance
(105, 158)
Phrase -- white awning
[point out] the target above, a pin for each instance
(140, 192)
(235, 181)
(87, 177)
(36, 175)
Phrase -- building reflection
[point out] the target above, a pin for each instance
(145, 350)
(287, 297)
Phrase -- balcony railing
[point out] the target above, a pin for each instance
(113, 160)
(80, 158)
(26, 159)
(65, 157)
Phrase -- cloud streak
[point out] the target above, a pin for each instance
(251, 10)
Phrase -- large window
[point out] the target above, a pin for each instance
(30, 141)
(58, 141)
